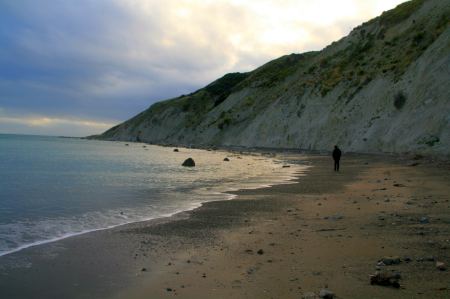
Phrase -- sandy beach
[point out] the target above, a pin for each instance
(325, 230)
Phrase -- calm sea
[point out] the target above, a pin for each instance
(52, 188)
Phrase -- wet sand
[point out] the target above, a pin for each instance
(326, 230)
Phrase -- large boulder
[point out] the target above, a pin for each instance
(189, 162)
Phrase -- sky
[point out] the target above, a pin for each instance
(78, 67)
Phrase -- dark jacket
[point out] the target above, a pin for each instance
(337, 154)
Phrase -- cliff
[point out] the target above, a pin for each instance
(383, 88)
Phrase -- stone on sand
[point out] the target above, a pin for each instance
(326, 294)
(391, 260)
(441, 266)
(309, 295)
(424, 220)
(189, 162)
(385, 279)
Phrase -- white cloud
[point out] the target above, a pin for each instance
(211, 36)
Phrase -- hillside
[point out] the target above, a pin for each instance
(383, 88)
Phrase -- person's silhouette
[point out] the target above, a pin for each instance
(336, 157)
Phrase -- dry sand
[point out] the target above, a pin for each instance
(326, 230)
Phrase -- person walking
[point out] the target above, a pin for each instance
(336, 157)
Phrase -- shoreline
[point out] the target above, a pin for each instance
(207, 237)
(228, 195)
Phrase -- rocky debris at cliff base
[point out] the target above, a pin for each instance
(385, 279)
(189, 162)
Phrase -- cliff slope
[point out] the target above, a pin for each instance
(383, 88)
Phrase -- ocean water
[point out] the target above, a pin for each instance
(52, 188)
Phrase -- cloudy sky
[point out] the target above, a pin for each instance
(77, 67)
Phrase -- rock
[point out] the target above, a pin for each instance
(441, 266)
(394, 260)
(251, 270)
(334, 217)
(189, 162)
(326, 294)
(309, 295)
(260, 252)
(169, 290)
(144, 269)
(226, 159)
(176, 150)
(424, 220)
(398, 185)
(385, 279)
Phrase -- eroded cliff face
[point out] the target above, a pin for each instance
(383, 88)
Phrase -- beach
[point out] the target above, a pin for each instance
(325, 230)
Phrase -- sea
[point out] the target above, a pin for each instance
(52, 188)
